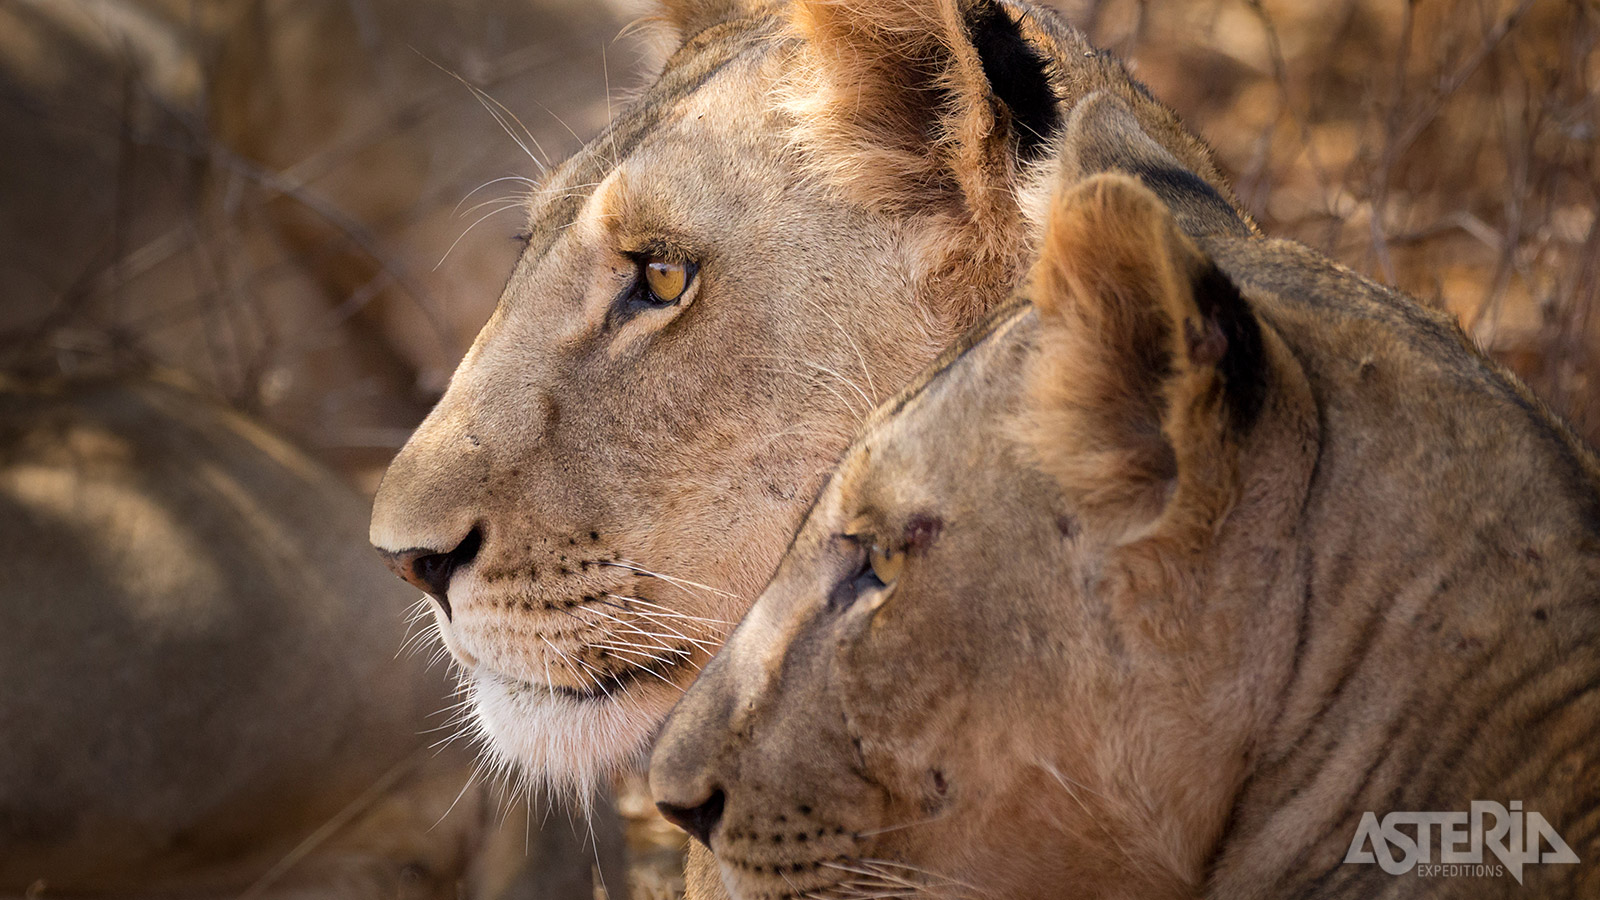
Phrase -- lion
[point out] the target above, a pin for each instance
(808, 204)
(1191, 564)
(202, 690)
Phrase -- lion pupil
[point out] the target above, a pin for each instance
(666, 279)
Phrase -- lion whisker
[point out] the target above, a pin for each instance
(708, 625)
(564, 660)
(414, 641)
(440, 655)
(477, 769)
(464, 703)
(836, 435)
(679, 582)
(514, 199)
(504, 116)
(621, 648)
(848, 381)
(599, 678)
(861, 359)
(637, 630)
(711, 633)
(668, 612)
(844, 399)
(883, 876)
(481, 219)
(871, 886)
(877, 831)
(493, 181)
(662, 678)
(456, 715)
(828, 370)
(706, 645)
(647, 645)
(938, 879)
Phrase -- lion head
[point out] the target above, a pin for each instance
(807, 205)
(1151, 589)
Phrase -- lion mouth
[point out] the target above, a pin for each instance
(603, 687)
(606, 688)
(572, 737)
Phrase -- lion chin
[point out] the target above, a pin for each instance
(568, 744)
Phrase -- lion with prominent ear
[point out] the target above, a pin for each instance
(807, 205)
(1172, 584)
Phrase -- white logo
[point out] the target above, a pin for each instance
(1514, 839)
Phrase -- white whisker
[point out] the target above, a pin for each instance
(491, 182)
(481, 219)
(667, 611)
(680, 582)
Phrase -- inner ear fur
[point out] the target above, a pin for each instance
(926, 104)
(1150, 368)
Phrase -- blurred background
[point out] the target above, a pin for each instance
(301, 211)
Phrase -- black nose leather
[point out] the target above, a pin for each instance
(430, 570)
(697, 820)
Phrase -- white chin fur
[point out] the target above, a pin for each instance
(567, 745)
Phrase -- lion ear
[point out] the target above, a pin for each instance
(1150, 367)
(1103, 134)
(909, 94)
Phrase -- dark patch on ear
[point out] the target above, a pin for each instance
(1195, 202)
(1105, 135)
(1018, 74)
(1242, 360)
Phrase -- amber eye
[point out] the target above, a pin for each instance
(877, 572)
(666, 280)
(886, 564)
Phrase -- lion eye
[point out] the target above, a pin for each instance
(874, 573)
(666, 280)
(886, 564)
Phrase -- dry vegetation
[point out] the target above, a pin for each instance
(267, 194)
(1445, 146)
(257, 193)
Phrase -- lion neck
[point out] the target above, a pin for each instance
(1169, 714)
(1433, 641)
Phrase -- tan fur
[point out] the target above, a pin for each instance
(893, 106)
(876, 107)
(690, 17)
(1210, 550)
(1120, 321)
(633, 476)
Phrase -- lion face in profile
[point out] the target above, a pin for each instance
(1151, 589)
(806, 206)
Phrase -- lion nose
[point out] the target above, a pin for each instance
(697, 820)
(430, 570)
